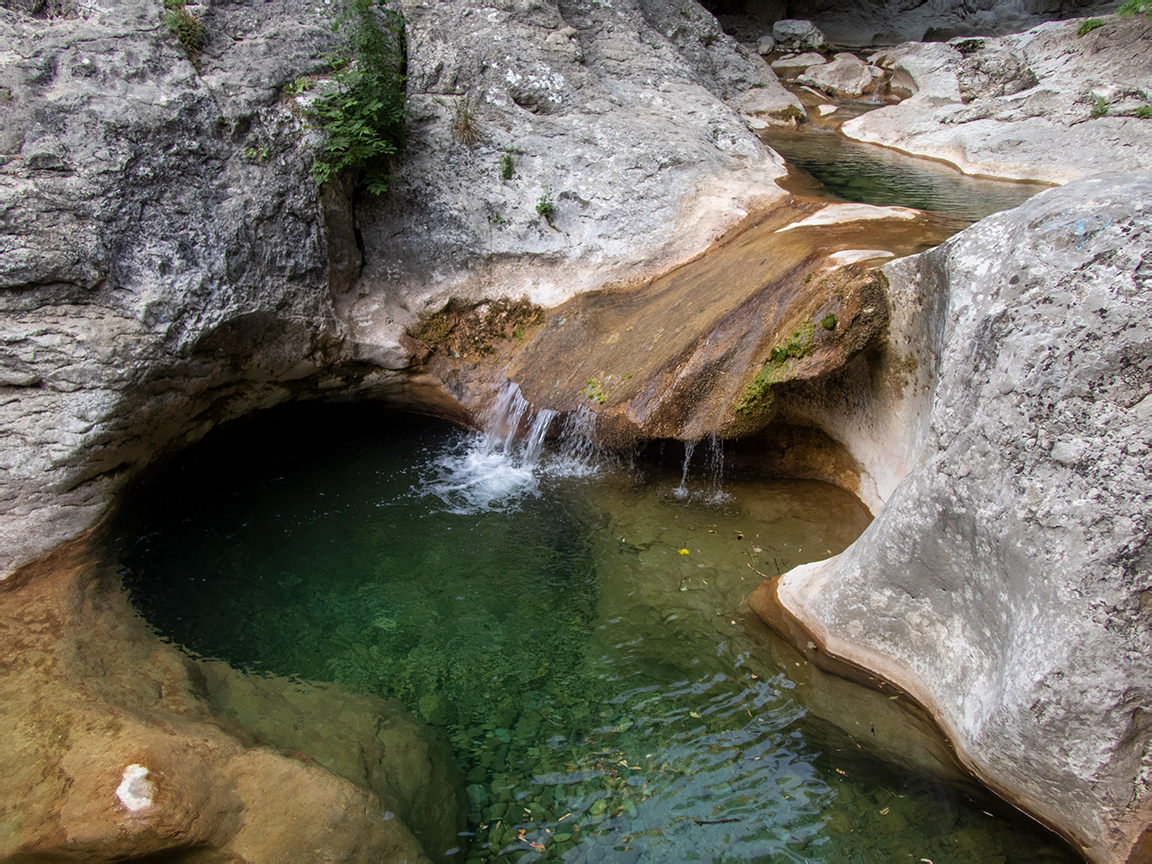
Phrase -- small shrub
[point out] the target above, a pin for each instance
(545, 206)
(1135, 7)
(1088, 26)
(464, 127)
(257, 154)
(1099, 107)
(186, 27)
(301, 85)
(1144, 112)
(365, 119)
(507, 166)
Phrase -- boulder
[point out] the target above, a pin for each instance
(796, 35)
(765, 45)
(846, 77)
(794, 64)
(1005, 582)
(1046, 104)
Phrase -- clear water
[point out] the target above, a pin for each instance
(870, 174)
(576, 630)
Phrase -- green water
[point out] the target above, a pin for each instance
(871, 174)
(581, 641)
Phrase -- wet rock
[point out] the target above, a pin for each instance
(111, 751)
(797, 35)
(1004, 582)
(1046, 104)
(846, 77)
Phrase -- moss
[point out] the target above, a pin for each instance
(828, 322)
(465, 328)
(791, 112)
(593, 390)
(757, 396)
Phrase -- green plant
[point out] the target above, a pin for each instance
(1099, 106)
(365, 119)
(1133, 7)
(545, 206)
(1144, 112)
(464, 126)
(507, 166)
(301, 85)
(593, 390)
(828, 322)
(257, 154)
(1089, 25)
(186, 27)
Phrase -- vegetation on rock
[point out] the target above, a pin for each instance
(365, 119)
(186, 27)
(758, 394)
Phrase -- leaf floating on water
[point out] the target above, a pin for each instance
(683, 551)
(890, 698)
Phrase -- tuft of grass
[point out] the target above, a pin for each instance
(507, 165)
(465, 128)
(545, 206)
(1144, 112)
(1088, 26)
(186, 27)
(1099, 107)
(1135, 7)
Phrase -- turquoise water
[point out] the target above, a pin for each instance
(575, 630)
(871, 174)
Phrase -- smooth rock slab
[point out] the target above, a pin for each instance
(1006, 582)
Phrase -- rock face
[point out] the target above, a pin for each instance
(166, 261)
(1042, 105)
(1006, 582)
(888, 22)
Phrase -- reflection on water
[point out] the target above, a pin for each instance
(872, 174)
(584, 646)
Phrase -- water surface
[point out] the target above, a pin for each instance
(576, 630)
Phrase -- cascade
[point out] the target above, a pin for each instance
(681, 491)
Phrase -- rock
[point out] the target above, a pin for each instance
(1004, 583)
(1068, 124)
(765, 45)
(112, 752)
(890, 22)
(796, 35)
(166, 261)
(767, 106)
(794, 64)
(846, 77)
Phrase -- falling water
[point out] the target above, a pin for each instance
(716, 469)
(497, 467)
(681, 491)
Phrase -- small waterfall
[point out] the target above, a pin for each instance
(716, 468)
(497, 467)
(681, 491)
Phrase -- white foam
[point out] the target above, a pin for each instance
(135, 790)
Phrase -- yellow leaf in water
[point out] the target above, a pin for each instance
(683, 551)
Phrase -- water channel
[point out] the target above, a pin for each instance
(574, 626)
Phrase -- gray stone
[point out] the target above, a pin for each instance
(166, 262)
(794, 64)
(846, 77)
(970, 110)
(798, 35)
(765, 44)
(1005, 582)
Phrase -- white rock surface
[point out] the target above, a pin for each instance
(1007, 581)
(791, 64)
(846, 77)
(1022, 107)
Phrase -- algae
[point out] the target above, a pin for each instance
(758, 395)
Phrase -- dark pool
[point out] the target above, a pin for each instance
(576, 630)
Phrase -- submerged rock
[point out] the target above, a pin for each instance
(1005, 582)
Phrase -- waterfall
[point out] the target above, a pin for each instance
(716, 469)
(681, 491)
(497, 467)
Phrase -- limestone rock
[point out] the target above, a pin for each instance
(1076, 119)
(797, 35)
(765, 45)
(794, 64)
(890, 22)
(846, 77)
(1005, 583)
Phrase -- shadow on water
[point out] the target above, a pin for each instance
(580, 636)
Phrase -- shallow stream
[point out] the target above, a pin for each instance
(574, 626)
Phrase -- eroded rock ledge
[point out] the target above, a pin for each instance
(1005, 583)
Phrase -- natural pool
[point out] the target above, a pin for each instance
(831, 164)
(575, 628)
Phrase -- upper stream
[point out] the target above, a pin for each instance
(575, 627)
